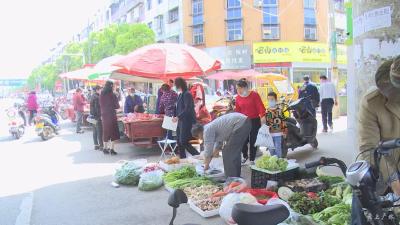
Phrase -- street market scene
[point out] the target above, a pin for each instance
(200, 112)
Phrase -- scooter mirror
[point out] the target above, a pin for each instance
(176, 198)
(244, 214)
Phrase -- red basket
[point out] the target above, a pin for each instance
(262, 192)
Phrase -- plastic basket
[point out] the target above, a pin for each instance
(260, 178)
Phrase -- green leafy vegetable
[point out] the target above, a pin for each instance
(272, 163)
(302, 203)
(339, 214)
(330, 180)
(128, 174)
(182, 173)
(194, 181)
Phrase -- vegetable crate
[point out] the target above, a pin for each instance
(260, 177)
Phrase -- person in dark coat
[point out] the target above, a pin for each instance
(131, 101)
(186, 117)
(108, 106)
(310, 90)
(96, 113)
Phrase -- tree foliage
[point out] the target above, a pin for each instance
(115, 39)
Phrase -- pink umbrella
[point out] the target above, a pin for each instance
(167, 60)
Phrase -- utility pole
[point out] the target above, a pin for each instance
(333, 51)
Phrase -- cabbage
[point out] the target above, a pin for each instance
(272, 163)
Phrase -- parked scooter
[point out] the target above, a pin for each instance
(242, 214)
(302, 129)
(46, 123)
(15, 123)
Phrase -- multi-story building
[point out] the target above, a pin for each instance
(164, 17)
(287, 37)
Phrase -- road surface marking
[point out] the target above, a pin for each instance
(24, 217)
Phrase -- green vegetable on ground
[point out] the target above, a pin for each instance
(330, 180)
(128, 174)
(301, 202)
(194, 181)
(339, 214)
(272, 163)
(182, 173)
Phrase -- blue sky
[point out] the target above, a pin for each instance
(29, 28)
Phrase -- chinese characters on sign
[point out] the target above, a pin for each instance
(232, 57)
(372, 20)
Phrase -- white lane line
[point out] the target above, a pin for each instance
(24, 217)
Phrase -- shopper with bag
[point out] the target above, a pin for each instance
(250, 104)
(95, 114)
(274, 115)
(232, 129)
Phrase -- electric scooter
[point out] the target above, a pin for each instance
(16, 125)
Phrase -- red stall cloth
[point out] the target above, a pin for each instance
(166, 61)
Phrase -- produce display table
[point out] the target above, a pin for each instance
(144, 132)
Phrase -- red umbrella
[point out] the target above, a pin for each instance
(167, 60)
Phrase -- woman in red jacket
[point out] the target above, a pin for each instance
(249, 103)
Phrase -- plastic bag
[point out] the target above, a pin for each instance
(128, 173)
(151, 180)
(264, 138)
(225, 211)
(263, 196)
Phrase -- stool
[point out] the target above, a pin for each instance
(164, 144)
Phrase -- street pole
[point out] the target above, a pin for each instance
(333, 52)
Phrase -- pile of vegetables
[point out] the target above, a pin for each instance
(182, 173)
(196, 193)
(310, 203)
(128, 174)
(272, 163)
(193, 181)
(342, 191)
(339, 214)
(331, 180)
(208, 204)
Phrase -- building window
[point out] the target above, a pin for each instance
(197, 11)
(234, 9)
(197, 20)
(270, 32)
(310, 33)
(150, 25)
(340, 36)
(270, 27)
(339, 5)
(159, 24)
(198, 34)
(149, 4)
(173, 15)
(310, 20)
(159, 1)
(235, 30)
(234, 20)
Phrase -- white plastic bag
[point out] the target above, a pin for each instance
(225, 210)
(264, 138)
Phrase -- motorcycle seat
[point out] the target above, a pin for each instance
(245, 214)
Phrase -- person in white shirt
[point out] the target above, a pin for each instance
(328, 99)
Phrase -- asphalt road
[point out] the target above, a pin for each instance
(63, 181)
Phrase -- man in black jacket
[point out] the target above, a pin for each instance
(96, 113)
(310, 90)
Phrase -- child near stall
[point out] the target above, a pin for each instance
(274, 115)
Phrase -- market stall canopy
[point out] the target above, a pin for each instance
(80, 74)
(132, 78)
(104, 68)
(167, 60)
(233, 75)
